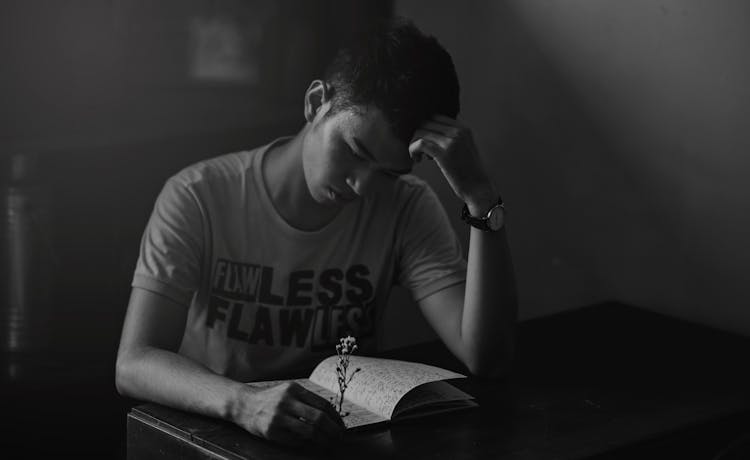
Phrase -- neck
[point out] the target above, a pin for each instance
(284, 176)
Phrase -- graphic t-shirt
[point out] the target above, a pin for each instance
(266, 299)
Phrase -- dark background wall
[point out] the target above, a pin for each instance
(101, 102)
(618, 132)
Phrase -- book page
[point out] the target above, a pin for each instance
(357, 415)
(381, 383)
(431, 398)
(436, 408)
(429, 394)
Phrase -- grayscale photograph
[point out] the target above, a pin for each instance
(374, 229)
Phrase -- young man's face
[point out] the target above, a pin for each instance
(350, 154)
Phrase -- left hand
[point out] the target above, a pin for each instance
(451, 145)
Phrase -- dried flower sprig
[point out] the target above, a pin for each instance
(345, 348)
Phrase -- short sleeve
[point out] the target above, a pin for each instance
(430, 254)
(171, 249)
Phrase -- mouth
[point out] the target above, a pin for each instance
(335, 195)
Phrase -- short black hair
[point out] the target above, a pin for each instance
(398, 69)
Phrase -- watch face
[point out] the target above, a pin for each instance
(496, 218)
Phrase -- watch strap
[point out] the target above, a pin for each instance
(482, 223)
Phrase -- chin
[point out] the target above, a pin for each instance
(322, 197)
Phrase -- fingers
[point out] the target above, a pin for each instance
(442, 141)
(317, 402)
(442, 129)
(295, 431)
(439, 134)
(297, 423)
(313, 416)
(421, 147)
(314, 424)
(290, 414)
(448, 121)
(441, 122)
(284, 430)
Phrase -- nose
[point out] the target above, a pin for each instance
(361, 180)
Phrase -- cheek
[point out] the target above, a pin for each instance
(324, 160)
(312, 157)
(332, 163)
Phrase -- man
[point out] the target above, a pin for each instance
(253, 264)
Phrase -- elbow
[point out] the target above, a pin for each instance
(123, 371)
(490, 370)
(120, 373)
(490, 365)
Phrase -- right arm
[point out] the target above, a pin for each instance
(150, 368)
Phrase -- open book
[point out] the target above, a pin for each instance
(385, 389)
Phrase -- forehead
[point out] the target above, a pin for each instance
(369, 128)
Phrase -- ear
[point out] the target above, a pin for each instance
(317, 97)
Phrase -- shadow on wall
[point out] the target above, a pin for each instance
(543, 149)
(616, 133)
(669, 84)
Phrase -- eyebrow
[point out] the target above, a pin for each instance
(369, 155)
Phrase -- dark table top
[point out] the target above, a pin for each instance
(601, 380)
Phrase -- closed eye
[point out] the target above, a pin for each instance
(362, 154)
(355, 155)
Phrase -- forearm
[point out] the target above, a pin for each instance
(173, 380)
(490, 304)
(285, 413)
(487, 316)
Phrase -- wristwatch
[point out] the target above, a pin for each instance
(490, 222)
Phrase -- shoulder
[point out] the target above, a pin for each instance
(409, 199)
(410, 186)
(410, 190)
(216, 170)
(230, 169)
(411, 181)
